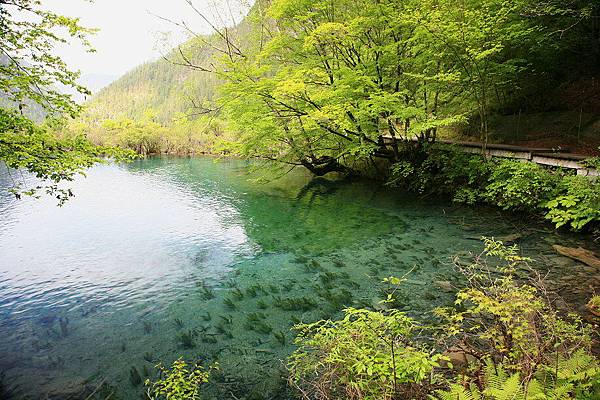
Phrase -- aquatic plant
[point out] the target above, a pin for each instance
(289, 285)
(229, 303)
(8, 390)
(374, 270)
(230, 283)
(237, 294)
(147, 327)
(186, 339)
(280, 337)
(208, 338)
(252, 291)
(273, 289)
(300, 259)
(228, 319)
(207, 293)
(64, 326)
(339, 263)
(338, 299)
(178, 323)
(262, 304)
(148, 357)
(256, 316)
(223, 331)
(134, 376)
(256, 322)
(352, 284)
(303, 303)
(327, 279)
(313, 266)
(206, 316)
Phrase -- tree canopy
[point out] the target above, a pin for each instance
(32, 74)
(327, 79)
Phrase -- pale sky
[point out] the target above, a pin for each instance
(129, 32)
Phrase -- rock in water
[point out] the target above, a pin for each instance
(579, 254)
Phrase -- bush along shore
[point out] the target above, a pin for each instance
(502, 338)
(556, 194)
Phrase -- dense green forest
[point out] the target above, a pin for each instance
(489, 70)
(317, 84)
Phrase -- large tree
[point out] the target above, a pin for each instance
(323, 81)
(334, 77)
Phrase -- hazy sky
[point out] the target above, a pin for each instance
(129, 32)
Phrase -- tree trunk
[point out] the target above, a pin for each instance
(320, 166)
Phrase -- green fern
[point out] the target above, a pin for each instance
(458, 392)
(569, 379)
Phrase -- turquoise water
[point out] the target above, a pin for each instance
(164, 248)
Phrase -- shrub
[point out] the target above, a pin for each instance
(521, 186)
(180, 382)
(513, 327)
(564, 199)
(366, 355)
(516, 345)
(577, 204)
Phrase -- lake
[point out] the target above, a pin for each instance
(188, 257)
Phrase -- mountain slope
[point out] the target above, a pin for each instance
(162, 86)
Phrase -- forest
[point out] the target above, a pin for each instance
(317, 84)
(358, 90)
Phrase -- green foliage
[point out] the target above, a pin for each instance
(180, 382)
(594, 304)
(518, 346)
(576, 378)
(577, 204)
(30, 75)
(366, 355)
(511, 326)
(517, 185)
(564, 199)
(30, 71)
(38, 150)
(593, 162)
(146, 134)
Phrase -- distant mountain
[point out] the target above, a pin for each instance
(164, 85)
(94, 82)
(161, 85)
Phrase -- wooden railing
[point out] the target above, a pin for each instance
(558, 157)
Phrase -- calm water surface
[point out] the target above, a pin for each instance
(149, 252)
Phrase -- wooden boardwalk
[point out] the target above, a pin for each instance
(544, 156)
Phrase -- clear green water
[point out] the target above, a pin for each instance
(148, 251)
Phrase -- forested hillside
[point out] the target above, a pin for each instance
(523, 71)
(160, 85)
